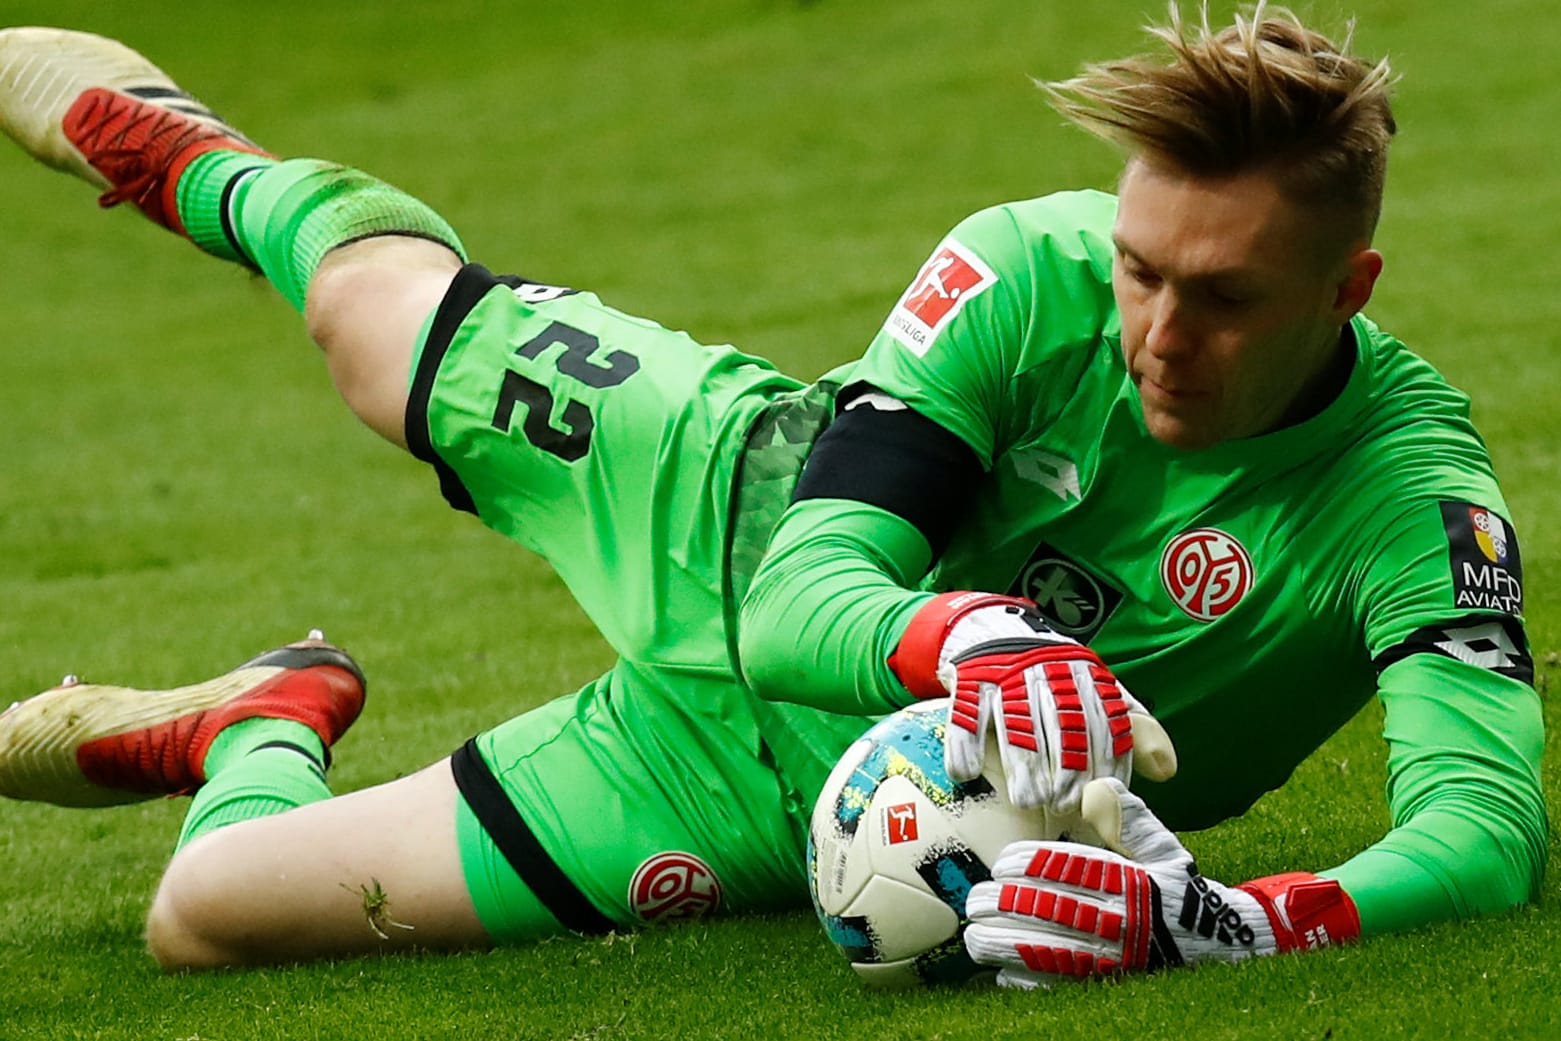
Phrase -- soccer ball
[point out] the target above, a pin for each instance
(895, 847)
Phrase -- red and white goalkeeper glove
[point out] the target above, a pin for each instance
(1061, 718)
(1059, 909)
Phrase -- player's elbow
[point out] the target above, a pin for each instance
(1522, 840)
(1510, 870)
(768, 670)
(767, 635)
(1527, 849)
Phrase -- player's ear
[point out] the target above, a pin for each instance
(1353, 289)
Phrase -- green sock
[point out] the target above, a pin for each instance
(255, 768)
(282, 217)
(202, 192)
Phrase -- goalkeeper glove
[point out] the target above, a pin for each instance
(1060, 909)
(1061, 717)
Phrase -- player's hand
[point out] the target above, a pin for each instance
(1061, 718)
(1060, 909)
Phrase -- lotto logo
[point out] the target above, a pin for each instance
(951, 277)
(537, 293)
(674, 885)
(900, 822)
(1206, 572)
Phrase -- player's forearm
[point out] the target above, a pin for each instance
(1470, 834)
(1446, 865)
(828, 605)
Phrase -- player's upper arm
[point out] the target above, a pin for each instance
(981, 349)
(881, 452)
(999, 321)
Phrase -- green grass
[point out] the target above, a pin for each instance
(182, 488)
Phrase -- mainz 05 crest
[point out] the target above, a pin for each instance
(674, 885)
(1206, 572)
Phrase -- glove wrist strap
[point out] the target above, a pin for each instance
(1306, 911)
(915, 660)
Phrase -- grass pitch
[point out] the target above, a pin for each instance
(182, 488)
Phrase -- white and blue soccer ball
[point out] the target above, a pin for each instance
(895, 847)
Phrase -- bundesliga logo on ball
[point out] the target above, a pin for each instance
(895, 847)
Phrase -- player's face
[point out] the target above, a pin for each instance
(1231, 303)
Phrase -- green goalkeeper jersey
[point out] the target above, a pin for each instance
(1254, 594)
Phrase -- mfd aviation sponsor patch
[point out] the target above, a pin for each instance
(1482, 551)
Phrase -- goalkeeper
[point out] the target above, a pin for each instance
(1108, 457)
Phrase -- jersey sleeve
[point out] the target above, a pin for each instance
(984, 344)
(1469, 832)
(1463, 723)
(993, 331)
(828, 605)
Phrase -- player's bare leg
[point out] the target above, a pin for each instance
(375, 870)
(270, 867)
(369, 261)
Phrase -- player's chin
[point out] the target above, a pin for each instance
(1182, 432)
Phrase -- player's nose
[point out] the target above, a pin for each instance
(1169, 334)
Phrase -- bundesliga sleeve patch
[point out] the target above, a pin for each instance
(952, 276)
(1483, 554)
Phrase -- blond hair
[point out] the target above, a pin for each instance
(1265, 93)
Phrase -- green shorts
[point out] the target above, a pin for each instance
(606, 444)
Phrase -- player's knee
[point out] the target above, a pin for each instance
(340, 297)
(363, 291)
(192, 921)
(322, 311)
(366, 306)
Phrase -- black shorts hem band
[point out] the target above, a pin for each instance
(515, 839)
(469, 286)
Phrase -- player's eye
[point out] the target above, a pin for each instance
(1228, 299)
(1142, 275)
